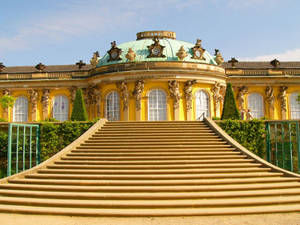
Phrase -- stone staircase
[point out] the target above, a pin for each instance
(152, 169)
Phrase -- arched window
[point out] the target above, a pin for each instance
(61, 108)
(112, 106)
(255, 104)
(20, 110)
(202, 104)
(157, 105)
(294, 106)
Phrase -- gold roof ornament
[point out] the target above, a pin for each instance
(40, 67)
(233, 61)
(114, 52)
(219, 57)
(181, 54)
(95, 59)
(156, 49)
(198, 51)
(130, 55)
(80, 64)
(1, 67)
(275, 63)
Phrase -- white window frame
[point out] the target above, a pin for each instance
(256, 105)
(157, 105)
(60, 108)
(20, 109)
(112, 106)
(202, 104)
(294, 106)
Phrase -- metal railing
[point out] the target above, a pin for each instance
(283, 144)
(23, 147)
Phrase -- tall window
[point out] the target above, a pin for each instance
(113, 106)
(256, 106)
(294, 106)
(202, 104)
(20, 110)
(157, 105)
(61, 108)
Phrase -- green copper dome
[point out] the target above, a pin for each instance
(171, 47)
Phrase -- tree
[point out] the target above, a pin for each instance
(298, 99)
(79, 112)
(230, 110)
(7, 101)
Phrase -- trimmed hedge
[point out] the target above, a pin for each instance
(230, 110)
(79, 112)
(251, 134)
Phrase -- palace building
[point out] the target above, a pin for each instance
(155, 77)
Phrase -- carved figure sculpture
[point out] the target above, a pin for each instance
(282, 98)
(95, 59)
(137, 93)
(181, 54)
(130, 55)
(174, 92)
(33, 98)
(241, 96)
(270, 98)
(188, 93)
(216, 94)
(219, 58)
(124, 94)
(73, 93)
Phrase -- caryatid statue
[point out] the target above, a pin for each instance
(174, 92)
(137, 93)
(124, 94)
(188, 88)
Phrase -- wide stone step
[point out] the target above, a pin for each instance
(160, 183)
(150, 204)
(126, 158)
(178, 131)
(156, 142)
(153, 195)
(157, 167)
(156, 135)
(150, 172)
(151, 162)
(153, 146)
(151, 138)
(180, 211)
(155, 129)
(136, 188)
(88, 154)
(152, 177)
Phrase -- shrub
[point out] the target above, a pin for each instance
(79, 112)
(7, 101)
(230, 110)
(250, 134)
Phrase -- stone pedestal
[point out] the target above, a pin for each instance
(176, 113)
(189, 115)
(126, 114)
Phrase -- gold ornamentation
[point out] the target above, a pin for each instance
(114, 53)
(137, 93)
(188, 93)
(198, 51)
(181, 54)
(156, 49)
(270, 98)
(174, 92)
(233, 62)
(34, 95)
(95, 59)
(216, 94)
(282, 98)
(130, 55)
(73, 93)
(122, 86)
(219, 59)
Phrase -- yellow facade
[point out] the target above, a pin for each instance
(41, 85)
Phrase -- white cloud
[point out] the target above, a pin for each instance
(83, 17)
(289, 55)
(240, 4)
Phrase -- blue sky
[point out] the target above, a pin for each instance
(57, 32)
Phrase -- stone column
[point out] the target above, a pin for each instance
(269, 101)
(189, 97)
(98, 102)
(175, 95)
(122, 86)
(45, 103)
(217, 97)
(137, 94)
(34, 95)
(282, 99)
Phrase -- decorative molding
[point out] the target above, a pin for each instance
(174, 92)
(95, 59)
(137, 93)
(114, 52)
(122, 86)
(198, 51)
(188, 93)
(181, 54)
(130, 55)
(156, 49)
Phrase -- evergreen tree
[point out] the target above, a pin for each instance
(230, 110)
(79, 112)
